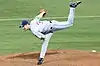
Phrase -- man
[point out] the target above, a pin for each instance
(45, 29)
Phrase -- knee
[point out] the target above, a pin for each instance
(70, 24)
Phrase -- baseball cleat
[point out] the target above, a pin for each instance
(40, 61)
(74, 4)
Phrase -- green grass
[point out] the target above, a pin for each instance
(84, 35)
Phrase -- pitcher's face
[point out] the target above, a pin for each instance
(26, 27)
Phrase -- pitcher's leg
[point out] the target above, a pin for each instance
(65, 24)
(69, 22)
(71, 17)
(72, 5)
(44, 48)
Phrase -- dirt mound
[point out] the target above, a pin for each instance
(53, 58)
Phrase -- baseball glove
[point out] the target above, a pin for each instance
(43, 10)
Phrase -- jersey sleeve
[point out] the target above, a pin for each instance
(38, 34)
(38, 17)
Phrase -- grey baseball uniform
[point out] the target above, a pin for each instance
(45, 29)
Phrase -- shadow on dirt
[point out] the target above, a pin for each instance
(31, 55)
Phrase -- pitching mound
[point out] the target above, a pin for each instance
(53, 58)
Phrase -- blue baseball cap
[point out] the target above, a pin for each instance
(24, 22)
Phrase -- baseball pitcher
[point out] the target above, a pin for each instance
(45, 29)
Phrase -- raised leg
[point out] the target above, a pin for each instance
(65, 24)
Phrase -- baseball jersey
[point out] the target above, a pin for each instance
(40, 28)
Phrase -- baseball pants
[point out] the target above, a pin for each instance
(57, 26)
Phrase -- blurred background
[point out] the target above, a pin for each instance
(84, 35)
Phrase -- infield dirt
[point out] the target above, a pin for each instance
(53, 58)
